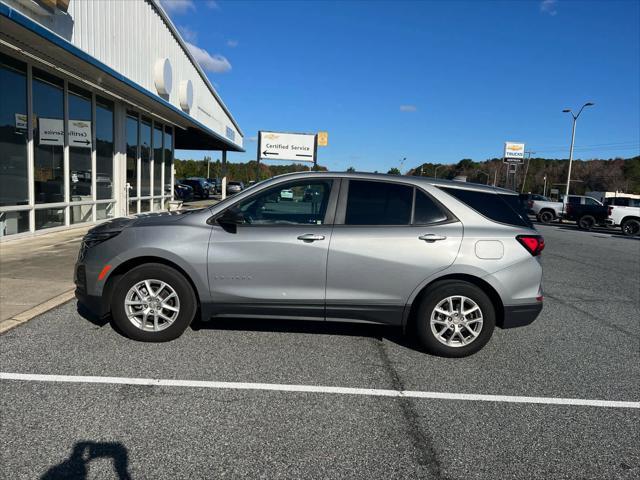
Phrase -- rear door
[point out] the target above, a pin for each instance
(274, 264)
(388, 238)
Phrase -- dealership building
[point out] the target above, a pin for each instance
(95, 96)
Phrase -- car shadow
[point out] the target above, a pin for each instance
(77, 465)
(91, 317)
(374, 331)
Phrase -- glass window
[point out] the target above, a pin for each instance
(79, 144)
(13, 222)
(590, 201)
(157, 159)
(426, 211)
(574, 200)
(48, 138)
(132, 154)
(145, 158)
(378, 203)
(289, 204)
(81, 213)
(145, 206)
(157, 204)
(502, 208)
(49, 218)
(104, 211)
(133, 207)
(14, 188)
(168, 160)
(104, 149)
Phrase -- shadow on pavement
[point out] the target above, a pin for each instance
(77, 465)
(85, 313)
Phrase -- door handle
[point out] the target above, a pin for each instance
(310, 237)
(431, 237)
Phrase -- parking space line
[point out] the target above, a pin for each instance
(30, 377)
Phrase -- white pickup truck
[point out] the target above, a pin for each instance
(624, 213)
(547, 212)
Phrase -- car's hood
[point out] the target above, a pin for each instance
(142, 220)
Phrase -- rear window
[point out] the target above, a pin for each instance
(499, 207)
(378, 203)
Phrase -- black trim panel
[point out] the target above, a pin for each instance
(520, 315)
(386, 314)
(93, 303)
(263, 310)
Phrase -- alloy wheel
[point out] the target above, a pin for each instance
(456, 321)
(152, 305)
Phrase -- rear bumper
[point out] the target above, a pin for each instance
(520, 315)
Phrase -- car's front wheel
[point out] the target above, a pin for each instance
(153, 303)
(546, 217)
(586, 222)
(455, 319)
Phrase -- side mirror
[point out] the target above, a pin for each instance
(230, 219)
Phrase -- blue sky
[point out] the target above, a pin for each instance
(429, 81)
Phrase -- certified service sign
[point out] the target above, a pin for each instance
(514, 152)
(297, 147)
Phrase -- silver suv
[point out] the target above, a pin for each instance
(446, 261)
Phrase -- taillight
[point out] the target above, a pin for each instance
(609, 210)
(534, 244)
(530, 204)
(569, 208)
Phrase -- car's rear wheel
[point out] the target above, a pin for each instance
(153, 303)
(455, 319)
(631, 227)
(586, 222)
(546, 217)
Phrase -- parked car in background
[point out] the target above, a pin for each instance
(624, 213)
(311, 195)
(527, 200)
(234, 187)
(182, 192)
(444, 261)
(199, 185)
(216, 184)
(286, 194)
(548, 211)
(587, 215)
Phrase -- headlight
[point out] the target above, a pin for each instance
(93, 239)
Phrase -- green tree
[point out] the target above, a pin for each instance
(351, 169)
(394, 171)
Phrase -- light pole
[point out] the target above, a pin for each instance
(573, 137)
(544, 189)
(435, 173)
(484, 173)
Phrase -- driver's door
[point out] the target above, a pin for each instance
(273, 263)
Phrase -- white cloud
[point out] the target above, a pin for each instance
(232, 43)
(211, 63)
(178, 6)
(188, 34)
(251, 139)
(213, 5)
(549, 7)
(408, 108)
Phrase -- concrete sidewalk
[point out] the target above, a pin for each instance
(36, 274)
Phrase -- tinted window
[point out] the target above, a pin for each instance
(277, 205)
(574, 200)
(104, 150)
(503, 208)
(378, 203)
(590, 201)
(426, 210)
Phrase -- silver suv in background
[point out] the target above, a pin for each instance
(445, 261)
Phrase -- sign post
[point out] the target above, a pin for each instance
(295, 147)
(513, 156)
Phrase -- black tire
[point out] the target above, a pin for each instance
(631, 227)
(433, 297)
(546, 216)
(157, 271)
(586, 222)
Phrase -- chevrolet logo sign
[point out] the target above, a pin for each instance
(271, 136)
(514, 148)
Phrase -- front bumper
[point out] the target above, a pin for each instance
(520, 315)
(94, 304)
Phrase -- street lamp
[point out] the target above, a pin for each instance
(435, 173)
(573, 137)
(484, 173)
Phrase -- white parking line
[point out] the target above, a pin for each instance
(30, 377)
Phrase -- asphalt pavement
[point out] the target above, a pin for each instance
(585, 345)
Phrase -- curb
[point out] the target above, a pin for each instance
(27, 315)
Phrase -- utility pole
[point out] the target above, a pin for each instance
(544, 189)
(435, 174)
(495, 176)
(524, 180)
(573, 138)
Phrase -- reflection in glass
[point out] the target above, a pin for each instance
(48, 138)
(49, 218)
(81, 213)
(133, 207)
(14, 188)
(104, 149)
(168, 160)
(104, 211)
(13, 222)
(132, 154)
(145, 205)
(145, 158)
(157, 204)
(79, 145)
(157, 159)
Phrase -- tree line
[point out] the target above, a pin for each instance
(616, 174)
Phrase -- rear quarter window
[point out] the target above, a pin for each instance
(499, 207)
